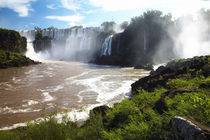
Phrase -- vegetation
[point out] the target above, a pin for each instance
(141, 117)
(77, 27)
(12, 49)
(13, 59)
(148, 38)
(12, 41)
(149, 28)
(41, 42)
(108, 26)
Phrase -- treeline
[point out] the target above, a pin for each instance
(146, 35)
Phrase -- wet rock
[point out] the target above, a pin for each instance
(145, 67)
(101, 109)
(194, 66)
(185, 129)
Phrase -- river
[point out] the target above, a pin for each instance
(28, 93)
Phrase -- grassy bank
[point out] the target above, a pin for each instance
(13, 59)
(182, 88)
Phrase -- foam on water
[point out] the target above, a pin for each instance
(29, 103)
(13, 126)
(158, 65)
(47, 97)
(103, 86)
(7, 109)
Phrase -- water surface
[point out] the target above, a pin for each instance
(27, 93)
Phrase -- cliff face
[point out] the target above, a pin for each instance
(12, 48)
(172, 70)
(12, 41)
(41, 43)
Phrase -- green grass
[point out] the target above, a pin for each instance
(11, 59)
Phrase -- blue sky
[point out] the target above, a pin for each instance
(25, 14)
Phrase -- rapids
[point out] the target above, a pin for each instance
(28, 93)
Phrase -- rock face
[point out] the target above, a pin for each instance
(100, 110)
(12, 49)
(184, 129)
(13, 59)
(193, 66)
(12, 41)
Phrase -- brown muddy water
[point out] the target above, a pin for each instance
(28, 93)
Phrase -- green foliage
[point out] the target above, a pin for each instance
(108, 26)
(38, 36)
(13, 59)
(36, 28)
(11, 40)
(131, 119)
(153, 26)
(41, 42)
(6, 135)
(124, 25)
(135, 118)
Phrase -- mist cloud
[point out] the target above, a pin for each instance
(189, 37)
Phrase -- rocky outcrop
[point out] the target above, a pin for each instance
(12, 49)
(12, 59)
(174, 69)
(41, 43)
(12, 41)
(185, 129)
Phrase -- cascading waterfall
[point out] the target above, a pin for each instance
(107, 46)
(30, 35)
(68, 44)
(145, 43)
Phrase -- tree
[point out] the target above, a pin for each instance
(38, 36)
(108, 25)
(124, 25)
(36, 28)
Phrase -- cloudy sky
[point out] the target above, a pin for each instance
(25, 14)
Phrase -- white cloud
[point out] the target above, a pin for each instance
(22, 7)
(51, 6)
(71, 20)
(70, 4)
(177, 7)
(89, 12)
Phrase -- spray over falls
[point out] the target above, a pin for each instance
(67, 44)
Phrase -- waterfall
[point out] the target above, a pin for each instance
(145, 43)
(107, 46)
(30, 35)
(68, 44)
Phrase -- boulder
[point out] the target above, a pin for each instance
(185, 129)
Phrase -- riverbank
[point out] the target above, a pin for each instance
(14, 59)
(181, 88)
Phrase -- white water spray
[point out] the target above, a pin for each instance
(192, 41)
(107, 46)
